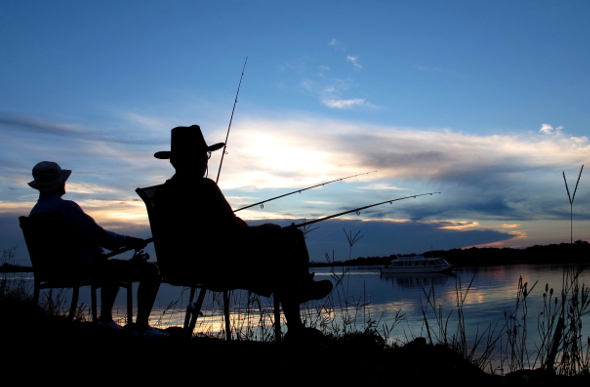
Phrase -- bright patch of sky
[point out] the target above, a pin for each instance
(483, 101)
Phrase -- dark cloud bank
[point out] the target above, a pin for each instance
(380, 238)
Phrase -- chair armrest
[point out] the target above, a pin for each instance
(123, 250)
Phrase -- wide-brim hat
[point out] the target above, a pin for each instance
(186, 141)
(49, 176)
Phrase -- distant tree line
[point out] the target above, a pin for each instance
(579, 251)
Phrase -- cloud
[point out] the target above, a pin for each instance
(329, 92)
(509, 229)
(320, 202)
(107, 164)
(88, 188)
(416, 154)
(400, 236)
(155, 124)
(548, 129)
(381, 187)
(334, 92)
(324, 87)
(34, 125)
(508, 179)
(486, 177)
(338, 45)
(347, 103)
(354, 61)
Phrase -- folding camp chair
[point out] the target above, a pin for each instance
(171, 277)
(48, 241)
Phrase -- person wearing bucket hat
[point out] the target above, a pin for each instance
(88, 239)
(207, 242)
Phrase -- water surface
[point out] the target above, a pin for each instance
(367, 298)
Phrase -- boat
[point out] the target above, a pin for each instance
(417, 264)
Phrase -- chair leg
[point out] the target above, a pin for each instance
(277, 318)
(129, 286)
(196, 309)
(74, 304)
(226, 314)
(36, 292)
(189, 310)
(94, 302)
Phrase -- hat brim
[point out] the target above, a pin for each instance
(163, 155)
(51, 185)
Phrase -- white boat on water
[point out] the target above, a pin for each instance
(417, 264)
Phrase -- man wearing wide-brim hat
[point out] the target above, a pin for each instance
(206, 242)
(88, 239)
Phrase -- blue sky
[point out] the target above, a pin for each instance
(484, 101)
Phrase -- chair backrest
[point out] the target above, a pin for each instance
(173, 266)
(148, 195)
(49, 244)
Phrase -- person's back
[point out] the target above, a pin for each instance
(205, 240)
(87, 238)
(196, 225)
(84, 234)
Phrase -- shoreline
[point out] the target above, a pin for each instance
(54, 345)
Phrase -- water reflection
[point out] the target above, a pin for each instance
(365, 295)
(418, 280)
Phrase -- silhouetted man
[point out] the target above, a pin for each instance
(207, 242)
(88, 239)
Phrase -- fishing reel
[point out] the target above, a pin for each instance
(140, 256)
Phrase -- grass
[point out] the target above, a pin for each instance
(569, 347)
(439, 331)
(14, 288)
(252, 316)
(12, 285)
(562, 349)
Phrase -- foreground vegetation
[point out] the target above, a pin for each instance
(444, 356)
(49, 347)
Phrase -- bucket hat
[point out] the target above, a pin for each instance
(48, 176)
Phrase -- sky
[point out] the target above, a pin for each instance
(485, 102)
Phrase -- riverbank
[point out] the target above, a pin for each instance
(43, 348)
(577, 252)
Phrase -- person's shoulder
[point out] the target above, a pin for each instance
(164, 186)
(56, 201)
(70, 205)
(207, 182)
(183, 185)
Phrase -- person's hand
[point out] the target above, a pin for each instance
(136, 243)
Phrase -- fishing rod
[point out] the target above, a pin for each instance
(357, 210)
(124, 249)
(301, 190)
(230, 120)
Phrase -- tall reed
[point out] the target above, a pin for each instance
(445, 330)
(514, 350)
(12, 285)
